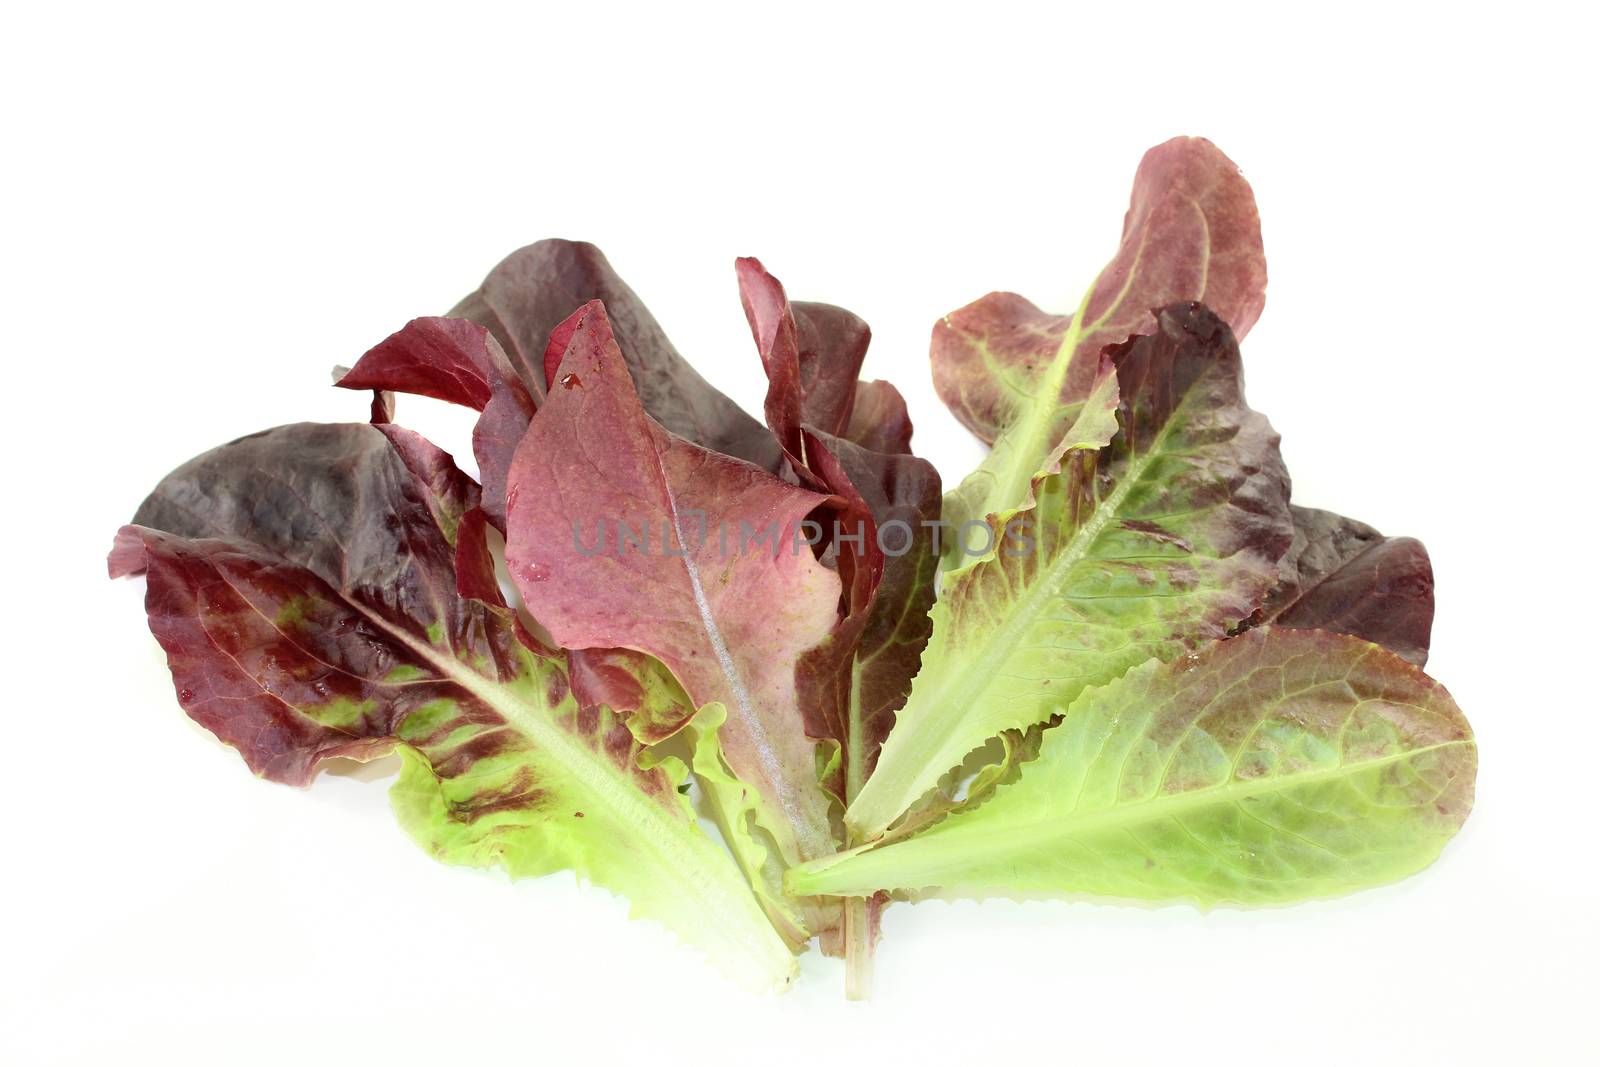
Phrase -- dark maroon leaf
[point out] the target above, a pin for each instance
(879, 421)
(304, 589)
(294, 572)
(344, 501)
(812, 354)
(1343, 575)
(458, 362)
(851, 687)
(535, 288)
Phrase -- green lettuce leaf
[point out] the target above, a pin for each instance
(1166, 538)
(1273, 767)
(656, 707)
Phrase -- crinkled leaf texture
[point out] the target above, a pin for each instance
(1017, 376)
(1272, 767)
(633, 684)
(640, 687)
(1343, 575)
(1167, 537)
(304, 584)
(622, 534)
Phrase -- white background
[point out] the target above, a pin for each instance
(208, 207)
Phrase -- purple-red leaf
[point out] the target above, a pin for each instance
(849, 687)
(1191, 233)
(490, 355)
(879, 421)
(881, 508)
(536, 288)
(303, 583)
(1342, 575)
(812, 354)
(304, 589)
(264, 654)
(623, 535)
(633, 685)
(458, 362)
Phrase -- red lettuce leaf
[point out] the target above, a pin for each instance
(812, 354)
(458, 362)
(303, 583)
(1191, 233)
(879, 421)
(490, 355)
(534, 289)
(730, 621)
(1343, 575)
(850, 686)
(631, 684)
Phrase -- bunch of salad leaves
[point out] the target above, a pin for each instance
(1114, 660)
